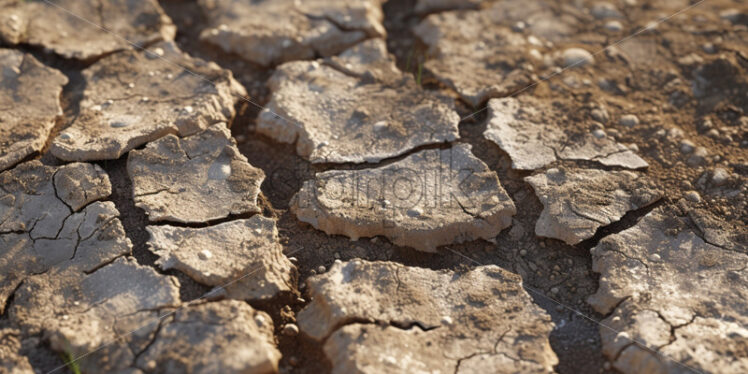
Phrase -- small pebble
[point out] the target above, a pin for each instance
(523, 252)
(687, 146)
(554, 290)
(698, 157)
(321, 269)
(290, 329)
(118, 124)
(720, 177)
(600, 115)
(614, 26)
(446, 320)
(605, 10)
(188, 109)
(577, 57)
(693, 196)
(415, 212)
(260, 320)
(205, 255)
(381, 125)
(598, 133)
(629, 120)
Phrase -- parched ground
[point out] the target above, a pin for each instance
(370, 186)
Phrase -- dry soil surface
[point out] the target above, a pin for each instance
(372, 186)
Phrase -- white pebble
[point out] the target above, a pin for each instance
(629, 120)
(204, 255)
(290, 330)
(598, 133)
(614, 26)
(693, 196)
(720, 177)
(260, 320)
(381, 125)
(188, 109)
(577, 57)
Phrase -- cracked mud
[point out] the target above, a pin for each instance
(369, 186)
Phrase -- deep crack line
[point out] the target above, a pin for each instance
(648, 27)
(638, 342)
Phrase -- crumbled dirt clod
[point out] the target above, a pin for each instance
(577, 202)
(386, 317)
(243, 255)
(272, 32)
(532, 134)
(84, 29)
(132, 98)
(199, 178)
(11, 361)
(431, 198)
(29, 105)
(673, 293)
(217, 337)
(339, 116)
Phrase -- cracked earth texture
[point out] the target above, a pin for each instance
(371, 186)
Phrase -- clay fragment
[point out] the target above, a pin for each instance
(531, 133)
(84, 29)
(29, 105)
(134, 97)
(272, 32)
(431, 198)
(577, 202)
(386, 317)
(199, 178)
(342, 110)
(243, 256)
(673, 293)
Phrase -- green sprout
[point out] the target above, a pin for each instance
(70, 362)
